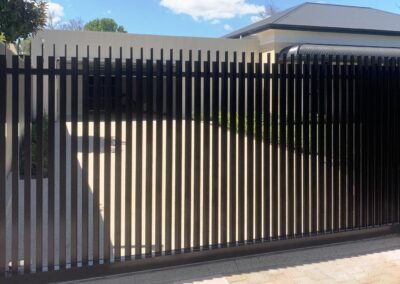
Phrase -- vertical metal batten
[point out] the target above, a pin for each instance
(258, 150)
(224, 151)
(3, 117)
(314, 126)
(290, 149)
(96, 158)
(397, 124)
(107, 157)
(63, 161)
(188, 153)
(39, 163)
(321, 146)
(206, 152)
(169, 153)
(232, 150)
(329, 162)
(139, 157)
(215, 152)
(372, 142)
(368, 143)
(390, 153)
(74, 161)
(377, 147)
(282, 137)
(250, 149)
(267, 150)
(350, 145)
(384, 142)
(117, 112)
(178, 153)
(128, 162)
(86, 119)
(397, 137)
(274, 152)
(378, 99)
(241, 148)
(385, 160)
(27, 165)
(159, 157)
(306, 146)
(51, 163)
(387, 137)
(298, 147)
(364, 141)
(15, 164)
(343, 140)
(392, 139)
(335, 144)
(149, 156)
(197, 152)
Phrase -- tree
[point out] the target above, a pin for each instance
(21, 18)
(104, 25)
(269, 9)
(24, 46)
(72, 25)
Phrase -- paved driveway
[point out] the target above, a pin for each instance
(368, 261)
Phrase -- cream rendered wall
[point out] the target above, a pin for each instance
(79, 41)
(126, 41)
(267, 42)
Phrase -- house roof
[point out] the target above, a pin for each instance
(327, 18)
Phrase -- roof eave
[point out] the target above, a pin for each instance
(239, 34)
(334, 30)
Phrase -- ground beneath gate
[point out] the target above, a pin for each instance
(368, 261)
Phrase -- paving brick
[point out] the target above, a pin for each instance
(303, 280)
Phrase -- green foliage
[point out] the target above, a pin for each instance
(234, 126)
(25, 46)
(21, 18)
(104, 25)
(35, 150)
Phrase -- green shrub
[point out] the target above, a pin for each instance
(34, 150)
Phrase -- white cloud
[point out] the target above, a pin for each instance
(255, 19)
(227, 27)
(108, 12)
(210, 10)
(55, 12)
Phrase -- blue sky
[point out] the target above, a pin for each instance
(208, 18)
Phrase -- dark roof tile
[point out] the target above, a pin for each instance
(327, 17)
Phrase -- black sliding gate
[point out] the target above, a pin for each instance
(109, 160)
